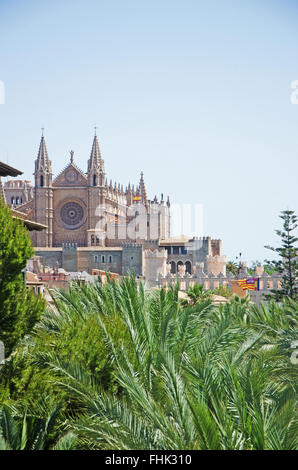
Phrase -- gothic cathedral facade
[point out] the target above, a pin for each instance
(85, 210)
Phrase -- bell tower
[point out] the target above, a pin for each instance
(43, 196)
(96, 195)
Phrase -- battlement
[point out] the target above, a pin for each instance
(69, 246)
(155, 253)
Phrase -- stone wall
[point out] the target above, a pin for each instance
(49, 256)
(106, 259)
(132, 259)
(155, 264)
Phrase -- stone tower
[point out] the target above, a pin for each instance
(43, 196)
(96, 195)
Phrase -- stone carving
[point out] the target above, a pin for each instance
(72, 214)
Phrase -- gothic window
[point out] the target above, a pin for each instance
(103, 259)
(179, 264)
(41, 181)
(110, 259)
(188, 267)
(97, 241)
(17, 201)
(92, 240)
(12, 200)
(95, 258)
(94, 180)
(173, 267)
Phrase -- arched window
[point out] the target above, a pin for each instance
(12, 201)
(178, 265)
(110, 259)
(95, 258)
(103, 259)
(41, 181)
(17, 200)
(173, 267)
(92, 240)
(188, 267)
(97, 241)
(94, 180)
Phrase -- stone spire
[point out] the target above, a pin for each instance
(142, 190)
(96, 174)
(43, 163)
(95, 161)
(43, 166)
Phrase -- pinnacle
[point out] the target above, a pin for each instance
(95, 160)
(43, 162)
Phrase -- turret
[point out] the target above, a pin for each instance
(95, 171)
(43, 196)
(43, 166)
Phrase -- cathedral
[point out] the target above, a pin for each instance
(83, 209)
(95, 224)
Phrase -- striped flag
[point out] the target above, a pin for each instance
(252, 283)
(137, 198)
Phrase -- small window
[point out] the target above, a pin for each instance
(103, 259)
(110, 259)
(95, 258)
(41, 181)
(94, 180)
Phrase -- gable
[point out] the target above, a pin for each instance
(70, 176)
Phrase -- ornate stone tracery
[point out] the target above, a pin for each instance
(72, 214)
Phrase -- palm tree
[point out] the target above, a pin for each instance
(197, 293)
(27, 432)
(199, 377)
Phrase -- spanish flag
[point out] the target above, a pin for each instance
(252, 283)
(137, 198)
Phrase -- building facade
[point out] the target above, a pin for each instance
(95, 224)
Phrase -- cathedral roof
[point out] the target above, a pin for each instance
(71, 175)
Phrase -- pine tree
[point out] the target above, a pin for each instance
(287, 265)
(19, 309)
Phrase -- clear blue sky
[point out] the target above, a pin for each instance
(194, 93)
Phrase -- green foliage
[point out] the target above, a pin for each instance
(232, 267)
(224, 291)
(287, 265)
(19, 310)
(197, 293)
(133, 369)
(24, 431)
